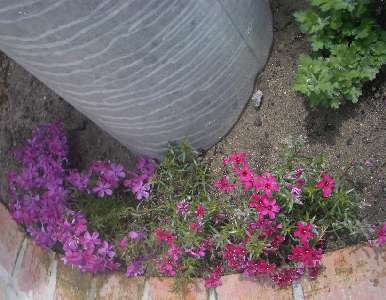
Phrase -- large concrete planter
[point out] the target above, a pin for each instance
(147, 72)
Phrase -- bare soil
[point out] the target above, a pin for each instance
(353, 135)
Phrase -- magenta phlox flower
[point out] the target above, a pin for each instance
(265, 226)
(41, 237)
(89, 241)
(166, 267)
(135, 268)
(300, 183)
(77, 180)
(174, 252)
(276, 242)
(123, 243)
(309, 257)
(106, 250)
(136, 235)
(235, 256)
(118, 170)
(73, 258)
(196, 227)
(133, 235)
(224, 185)
(259, 267)
(139, 182)
(142, 191)
(71, 243)
(146, 166)
(214, 278)
(103, 189)
(257, 202)
(269, 208)
(139, 186)
(237, 159)
(327, 185)
(296, 194)
(286, 276)
(304, 232)
(79, 224)
(380, 240)
(200, 211)
(245, 177)
(267, 183)
(183, 207)
(200, 251)
(164, 236)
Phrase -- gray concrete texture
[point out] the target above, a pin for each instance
(145, 71)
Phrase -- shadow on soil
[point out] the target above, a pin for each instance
(323, 125)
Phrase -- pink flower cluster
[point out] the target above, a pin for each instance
(267, 228)
(39, 202)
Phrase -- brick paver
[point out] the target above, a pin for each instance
(352, 273)
(236, 287)
(10, 240)
(117, 286)
(72, 284)
(162, 289)
(33, 275)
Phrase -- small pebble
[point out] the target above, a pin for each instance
(349, 141)
(256, 98)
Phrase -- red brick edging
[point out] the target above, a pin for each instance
(28, 272)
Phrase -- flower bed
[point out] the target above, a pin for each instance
(173, 220)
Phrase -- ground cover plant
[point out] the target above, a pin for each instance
(172, 219)
(348, 49)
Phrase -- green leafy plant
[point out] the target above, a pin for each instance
(348, 49)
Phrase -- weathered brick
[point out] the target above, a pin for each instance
(33, 274)
(162, 289)
(236, 287)
(352, 273)
(10, 240)
(71, 284)
(116, 286)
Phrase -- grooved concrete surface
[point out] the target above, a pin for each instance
(147, 72)
(29, 273)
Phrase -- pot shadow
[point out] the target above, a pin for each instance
(323, 124)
